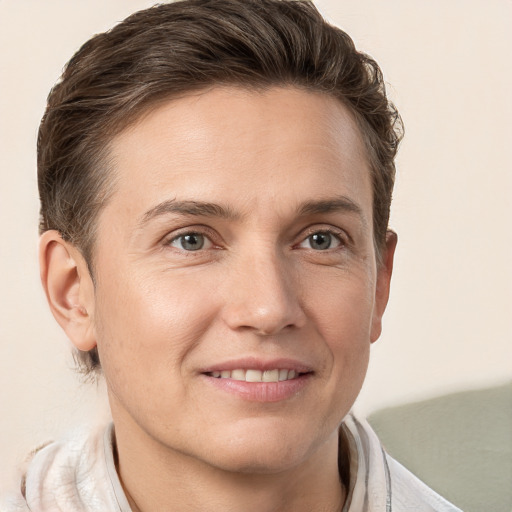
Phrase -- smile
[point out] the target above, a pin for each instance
(251, 375)
(260, 385)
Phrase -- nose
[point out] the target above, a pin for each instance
(263, 295)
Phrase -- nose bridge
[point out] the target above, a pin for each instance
(263, 293)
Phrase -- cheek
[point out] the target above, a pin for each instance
(146, 327)
(342, 311)
(342, 308)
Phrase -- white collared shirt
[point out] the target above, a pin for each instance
(78, 473)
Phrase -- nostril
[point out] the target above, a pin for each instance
(271, 332)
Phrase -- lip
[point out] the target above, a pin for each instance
(256, 363)
(260, 391)
(263, 392)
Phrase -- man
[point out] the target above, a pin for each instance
(215, 181)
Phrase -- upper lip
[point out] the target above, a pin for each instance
(255, 363)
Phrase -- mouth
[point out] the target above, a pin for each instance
(254, 375)
(257, 381)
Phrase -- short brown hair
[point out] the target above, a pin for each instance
(172, 49)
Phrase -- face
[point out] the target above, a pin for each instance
(237, 292)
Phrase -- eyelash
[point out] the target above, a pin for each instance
(208, 234)
(339, 236)
(336, 235)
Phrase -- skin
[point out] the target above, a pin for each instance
(288, 168)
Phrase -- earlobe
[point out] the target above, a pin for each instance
(384, 272)
(68, 287)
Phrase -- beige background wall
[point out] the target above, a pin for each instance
(449, 66)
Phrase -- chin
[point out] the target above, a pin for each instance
(254, 461)
(262, 450)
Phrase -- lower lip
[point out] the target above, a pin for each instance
(261, 391)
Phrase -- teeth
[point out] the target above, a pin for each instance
(283, 374)
(238, 374)
(270, 376)
(251, 375)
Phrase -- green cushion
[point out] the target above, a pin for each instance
(459, 444)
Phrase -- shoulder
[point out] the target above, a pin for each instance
(409, 493)
(13, 503)
(74, 473)
(15, 500)
(381, 482)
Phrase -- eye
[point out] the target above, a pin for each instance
(191, 242)
(321, 241)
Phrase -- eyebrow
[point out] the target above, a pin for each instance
(331, 205)
(193, 208)
(207, 209)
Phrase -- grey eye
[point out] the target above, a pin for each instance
(321, 241)
(189, 242)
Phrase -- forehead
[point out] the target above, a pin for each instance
(243, 147)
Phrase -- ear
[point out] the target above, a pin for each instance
(384, 271)
(69, 288)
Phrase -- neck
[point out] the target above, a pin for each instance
(157, 478)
